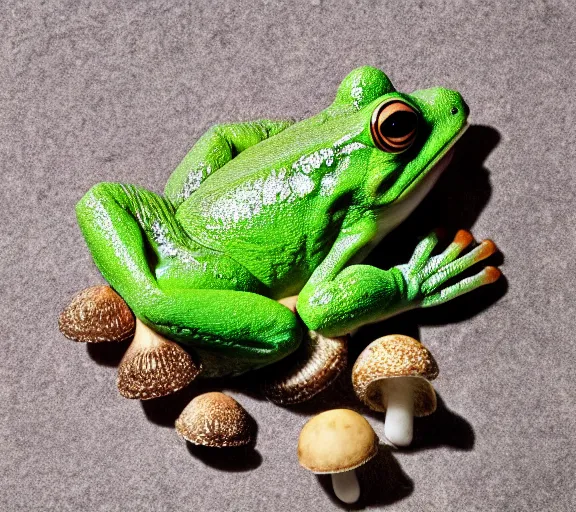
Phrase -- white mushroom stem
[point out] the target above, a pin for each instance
(346, 486)
(399, 423)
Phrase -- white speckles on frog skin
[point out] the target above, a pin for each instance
(194, 179)
(357, 92)
(281, 185)
(160, 235)
(167, 248)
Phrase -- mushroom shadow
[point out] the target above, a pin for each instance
(233, 460)
(108, 353)
(442, 428)
(165, 410)
(382, 482)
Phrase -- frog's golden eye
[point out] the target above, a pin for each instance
(394, 126)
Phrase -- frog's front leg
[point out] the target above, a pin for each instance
(339, 299)
(121, 223)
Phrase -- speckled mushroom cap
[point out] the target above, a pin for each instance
(392, 357)
(215, 419)
(97, 314)
(336, 441)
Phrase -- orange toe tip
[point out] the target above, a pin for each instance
(463, 238)
(491, 274)
(488, 248)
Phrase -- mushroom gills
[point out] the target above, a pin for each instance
(346, 486)
(399, 423)
(154, 366)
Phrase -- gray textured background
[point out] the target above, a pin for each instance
(102, 90)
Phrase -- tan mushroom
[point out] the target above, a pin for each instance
(154, 366)
(311, 369)
(217, 420)
(97, 314)
(392, 375)
(336, 442)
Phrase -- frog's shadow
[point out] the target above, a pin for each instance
(459, 196)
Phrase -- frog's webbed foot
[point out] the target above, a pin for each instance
(425, 275)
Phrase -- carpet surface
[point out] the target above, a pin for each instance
(97, 90)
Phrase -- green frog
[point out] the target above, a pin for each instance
(264, 210)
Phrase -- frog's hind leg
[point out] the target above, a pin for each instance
(126, 228)
(121, 224)
(249, 329)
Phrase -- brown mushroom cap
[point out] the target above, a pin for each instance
(311, 369)
(395, 356)
(336, 441)
(154, 366)
(215, 419)
(97, 314)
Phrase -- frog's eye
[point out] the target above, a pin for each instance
(394, 126)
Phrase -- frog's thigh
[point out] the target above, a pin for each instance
(235, 323)
(116, 221)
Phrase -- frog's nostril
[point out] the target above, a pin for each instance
(455, 110)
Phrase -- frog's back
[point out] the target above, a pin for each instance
(270, 207)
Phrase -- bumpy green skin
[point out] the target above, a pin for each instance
(262, 210)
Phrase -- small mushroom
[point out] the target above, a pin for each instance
(392, 375)
(336, 442)
(154, 366)
(217, 420)
(311, 369)
(97, 314)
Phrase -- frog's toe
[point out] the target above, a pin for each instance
(487, 275)
(485, 249)
(462, 240)
(422, 253)
(445, 272)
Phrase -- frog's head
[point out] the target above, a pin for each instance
(411, 136)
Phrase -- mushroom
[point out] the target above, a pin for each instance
(215, 419)
(97, 314)
(311, 369)
(154, 366)
(336, 442)
(392, 375)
